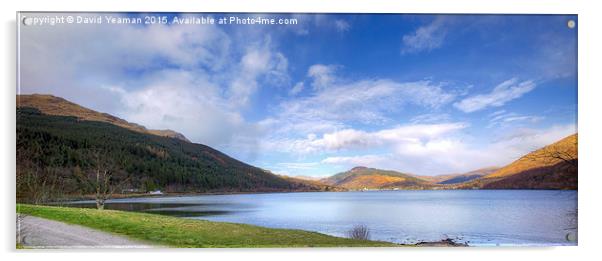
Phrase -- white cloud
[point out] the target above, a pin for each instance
(317, 22)
(366, 101)
(329, 112)
(259, 60)
(363, 160)
(189, 104)
(289, 127)
(298, 165)
(504, 119)
(322, 75)
(72, 61)
(519, 142)
(522, 118)
(462, 155)
(431, 118)
(450, 153)
(501, 94)
(350, 139)
(213, 76)
(342, 25)
(425, 38)
(497, 113)
(202, 95)
(297, 88)
(343, 139)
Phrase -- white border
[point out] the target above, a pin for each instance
(590, 183)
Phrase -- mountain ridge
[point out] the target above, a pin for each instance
(541, 157)
(457, 177)
(550, 167)
(45, 135)
(62, 149)
(468, 176)
(360, 177)
(54, 105)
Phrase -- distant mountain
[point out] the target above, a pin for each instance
(435, 179)
(447, 179)
(307, 177)
(314, 182)
(475, 174)
(62, 147)
(369, 178)
(52, 105)
(551, 167)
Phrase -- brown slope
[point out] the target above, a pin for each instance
(370, 178)
(468, 176)
(544, 157)
(551, 167)
(559, 176)
(449, 178)
(437, 178)
(52, 105)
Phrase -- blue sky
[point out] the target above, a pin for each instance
(425, 94)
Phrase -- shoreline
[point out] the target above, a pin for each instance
(189, 233)
(428, 241)
(189, 194)
(91, 218)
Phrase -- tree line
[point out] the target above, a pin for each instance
(60, 156)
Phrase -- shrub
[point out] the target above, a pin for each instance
(359, 232)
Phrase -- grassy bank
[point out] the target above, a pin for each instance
(181, 232)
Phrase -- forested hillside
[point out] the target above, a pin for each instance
(53, 105)
(55, 154)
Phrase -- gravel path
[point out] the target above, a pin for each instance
(43, 233)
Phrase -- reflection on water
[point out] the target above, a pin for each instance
(169, 209)
(478, 217)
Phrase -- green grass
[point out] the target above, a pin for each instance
(181, 232)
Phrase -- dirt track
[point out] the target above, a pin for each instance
(43, 233)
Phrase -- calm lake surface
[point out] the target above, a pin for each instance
(478, 217)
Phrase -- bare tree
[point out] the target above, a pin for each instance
(101, 178)
(35, 182)
(359, 232)
(39, 185)
(553, 154)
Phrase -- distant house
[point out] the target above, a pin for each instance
(130, 190)
(156, 192)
